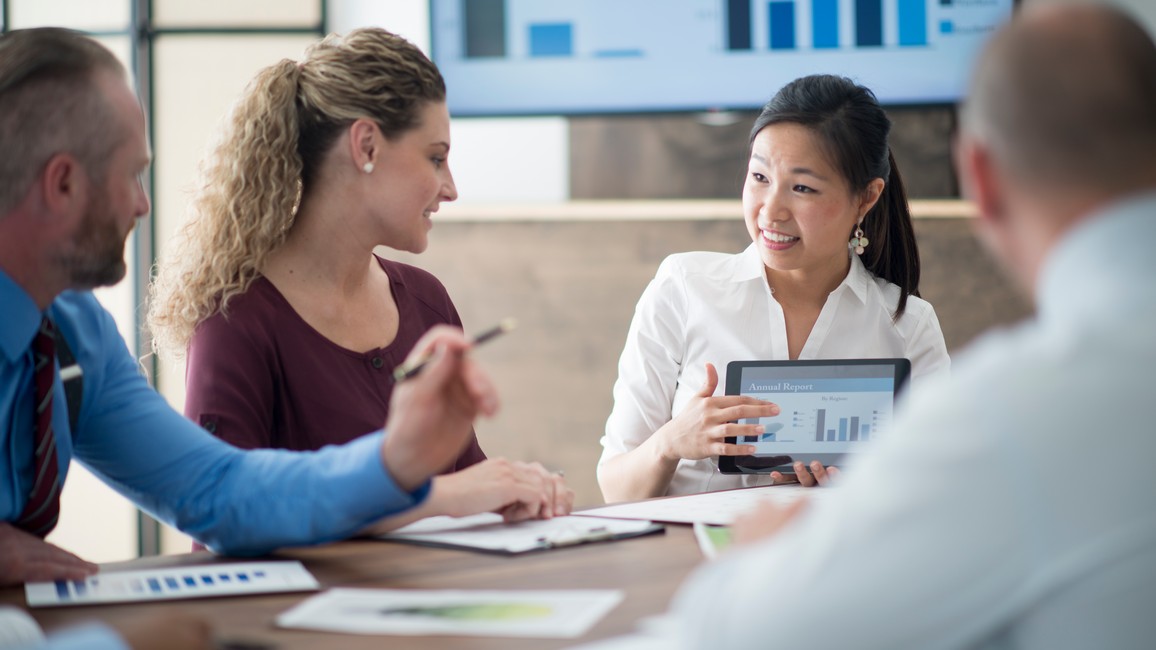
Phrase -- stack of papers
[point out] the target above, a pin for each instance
(718, 508)
(487, 532)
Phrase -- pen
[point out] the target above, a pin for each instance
(409, 370)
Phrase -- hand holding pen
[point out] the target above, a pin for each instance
(432, 413)
(415, 364)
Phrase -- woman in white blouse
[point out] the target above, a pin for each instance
(833, 272)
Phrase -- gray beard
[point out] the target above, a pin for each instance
(97, 255)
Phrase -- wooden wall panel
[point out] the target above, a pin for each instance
(669, 156)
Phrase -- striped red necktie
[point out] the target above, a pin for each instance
(43, 507)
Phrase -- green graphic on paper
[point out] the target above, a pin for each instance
(478, 612)
(720, 536)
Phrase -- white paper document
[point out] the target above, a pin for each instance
(203, 581)
(487, 532)
(719, 508)
(536, 614)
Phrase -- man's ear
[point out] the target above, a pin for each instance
(63, 185)
(979, 179)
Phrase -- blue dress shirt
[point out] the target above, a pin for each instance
(233, 501)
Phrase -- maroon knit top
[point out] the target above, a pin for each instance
(263, 377)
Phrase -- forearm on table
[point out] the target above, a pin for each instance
(433, 506)
(256, 504)
(641, 473)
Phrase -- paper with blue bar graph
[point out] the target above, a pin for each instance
(177, 583)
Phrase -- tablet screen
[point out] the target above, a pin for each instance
(829, 408)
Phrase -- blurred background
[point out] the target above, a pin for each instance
(562, 221)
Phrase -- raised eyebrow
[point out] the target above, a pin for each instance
(442, 143)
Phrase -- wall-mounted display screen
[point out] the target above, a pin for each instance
(527, 57)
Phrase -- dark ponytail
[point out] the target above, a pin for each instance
(853, 130)
(892, 254)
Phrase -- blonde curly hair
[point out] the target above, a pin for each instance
(267, 158)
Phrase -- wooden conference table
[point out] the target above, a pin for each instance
(648, 569)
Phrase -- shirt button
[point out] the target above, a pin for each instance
(377, 362)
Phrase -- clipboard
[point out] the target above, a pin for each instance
(488, 533)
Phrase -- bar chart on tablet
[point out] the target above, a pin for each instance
(840, 413)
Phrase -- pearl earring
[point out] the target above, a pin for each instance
(858, 242)
(367, 168)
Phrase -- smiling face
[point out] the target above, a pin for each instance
(412, 178)
(798, 208)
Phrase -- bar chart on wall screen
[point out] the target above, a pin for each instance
(525, 56)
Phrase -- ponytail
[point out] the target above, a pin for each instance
(892, 253)
(244, 204)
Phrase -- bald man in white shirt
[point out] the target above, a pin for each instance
(1023, 516)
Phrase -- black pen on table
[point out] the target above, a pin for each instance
(410, 369)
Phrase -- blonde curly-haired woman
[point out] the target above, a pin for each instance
(292, 325)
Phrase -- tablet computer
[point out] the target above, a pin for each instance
(829, 408)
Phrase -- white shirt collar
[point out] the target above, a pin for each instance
(749, 266)
(1082, 274)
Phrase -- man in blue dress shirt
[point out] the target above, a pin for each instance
(72, 137)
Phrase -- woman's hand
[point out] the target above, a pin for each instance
(806, 476)
(431, 415)
(699, 431)
(515, 489)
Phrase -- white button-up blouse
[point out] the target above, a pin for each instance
(714, 307)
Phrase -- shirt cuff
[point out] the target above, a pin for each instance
(89, 636)
(383, 482)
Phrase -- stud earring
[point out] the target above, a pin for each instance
(367, 168)
(858, 242)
